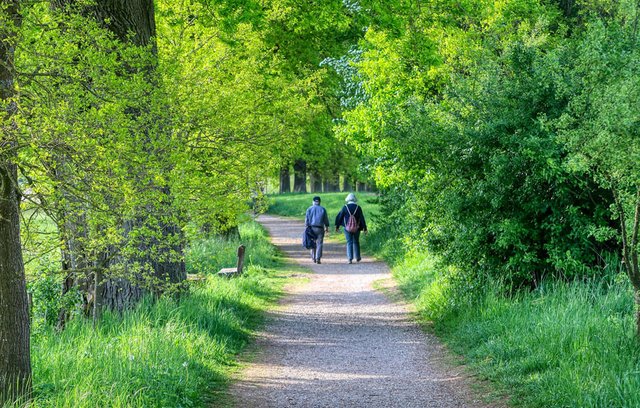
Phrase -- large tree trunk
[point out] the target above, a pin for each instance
(163, 247)
(316, 182)
(134, 21)
(15, 355)
(300, 176)
(125, 17)
(285, 180)
(73, 231)
(71, 218)
(347, 184)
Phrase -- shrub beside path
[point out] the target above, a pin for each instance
(337, 342)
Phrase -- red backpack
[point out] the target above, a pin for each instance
(352, 225)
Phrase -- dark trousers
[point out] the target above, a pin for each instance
(316, 253)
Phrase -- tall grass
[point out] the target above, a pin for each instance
(563, 345)
(165, 353)
(207, 256)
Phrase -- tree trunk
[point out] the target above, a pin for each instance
(347, 185)
(332, 184)
(285, 180)
(73, 232)
(162, 249)
(15, 355)
(300, 176)
(126, 17)
(98, 291)
(316, 182)
(630, 249)
(118, 294)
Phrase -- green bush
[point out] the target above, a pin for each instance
(46, 297)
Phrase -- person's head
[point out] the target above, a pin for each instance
(351, 198)
(316, 200)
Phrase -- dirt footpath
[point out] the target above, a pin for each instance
(337, 342)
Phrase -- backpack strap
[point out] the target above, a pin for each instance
(347, 207)
(354, 211)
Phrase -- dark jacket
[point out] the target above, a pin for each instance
(343, 216)
(309, 238)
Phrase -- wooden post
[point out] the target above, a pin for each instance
(229, 272)
(97, 295)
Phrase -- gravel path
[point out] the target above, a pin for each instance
(337, 342)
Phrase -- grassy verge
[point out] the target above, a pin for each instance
(170, 353)
(563, 345)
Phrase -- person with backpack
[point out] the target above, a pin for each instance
(317, 219)
(351, 217)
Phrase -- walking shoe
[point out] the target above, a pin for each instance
(359, 259)
(350, 261)
(318, 261)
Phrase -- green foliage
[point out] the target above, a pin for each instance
(503, 137)
(47, 300)
(461, 135)
(132, 150)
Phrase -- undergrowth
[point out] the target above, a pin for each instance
(565, 344)
(164, 353)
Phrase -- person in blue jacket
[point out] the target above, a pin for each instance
(318, 220)
(351, 209)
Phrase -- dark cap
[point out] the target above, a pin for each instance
(316, 199)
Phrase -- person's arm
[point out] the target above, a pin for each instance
(339, 219)
(363, 222)
(325, 220)
(306, 219)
